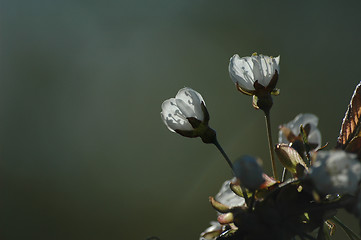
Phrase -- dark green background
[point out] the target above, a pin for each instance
(83, 151)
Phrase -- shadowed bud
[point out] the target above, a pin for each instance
(249, 172)
(187, 115)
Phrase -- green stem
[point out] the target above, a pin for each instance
(216, 143)
(270, 143)
(351, 234)
(244, 192)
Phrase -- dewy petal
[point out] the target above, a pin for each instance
(241, 71)
(190, 100)
(173, 117)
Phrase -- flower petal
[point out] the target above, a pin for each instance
(241, 71)
(228, 197)
(314, 135)
(264, 69)
(302, 118)
(173, 117)
(191, 100)
(336, 172)
(276, 61)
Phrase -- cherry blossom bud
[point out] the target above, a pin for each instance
(249, 172)
(187, 115)
(255, 73)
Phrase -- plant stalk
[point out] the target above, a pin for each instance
(216, 143)
(244, 192)
(270, 144)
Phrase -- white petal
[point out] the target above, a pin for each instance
(186, 109)
(227, 197)
(276, 62)
(263, 70)
(336, 172)
(173, 117)
(302, 118)
(315, 136)
(241, 71)
(282, 138)
(192, 100)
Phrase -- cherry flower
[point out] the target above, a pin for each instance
(227, 197)
(289, 133)
(336, 172)
(187, 115)
(252, 74)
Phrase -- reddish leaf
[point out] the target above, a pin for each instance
(351, 123)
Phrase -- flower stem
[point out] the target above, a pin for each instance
(244, 192)
(270, 143)
(216, 143)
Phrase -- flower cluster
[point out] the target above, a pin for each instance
(315, 181)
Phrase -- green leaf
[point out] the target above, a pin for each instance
(237, 189)
(289, 158)
(220, 207)
(348, 231)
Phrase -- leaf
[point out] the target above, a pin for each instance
(351, 123)
(289, 158)
(350, 234)
(354, 145)
(220, 207)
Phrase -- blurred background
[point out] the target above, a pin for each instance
(83, 151)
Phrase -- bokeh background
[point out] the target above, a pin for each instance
(83, 151)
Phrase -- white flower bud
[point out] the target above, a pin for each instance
(249, 172)
(175, 111)
(245, 71)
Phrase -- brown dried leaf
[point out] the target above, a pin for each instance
(351, 123)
